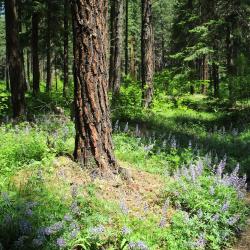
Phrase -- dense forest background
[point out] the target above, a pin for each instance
(124, 124)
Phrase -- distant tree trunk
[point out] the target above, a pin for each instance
(126, 37)
(116, 37)
(147, 53)
(93, 143)
(215, 78)
(35, 57)
(132, 58)
(16, 71)
(112, 43)
(66, 45)
(48, 38)
(28, 64)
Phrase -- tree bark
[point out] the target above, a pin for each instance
(16, 71)
(147, 53)
(93, 144)
(66, 45)
(126, 38)
(116, 45)
(35, 57)
(48, 38)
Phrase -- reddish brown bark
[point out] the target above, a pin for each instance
(147, 53)
(93, 142)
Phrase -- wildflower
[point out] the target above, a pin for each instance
(74, 208)
(37, 242)
(28, 212)
(61, 242)
(211, 190)
(220, 169)
(173, 143)
(140, 245)
(126, 230)
(74, 191)
(68, 217)
(97, 230)
(232, 220)
(215, 217)
(74, 233)
(25, 227)
(116, 126)
(126, 128)
(200, 213)
(123, 207)
(163, 222)
(201, 242)
(225, 206)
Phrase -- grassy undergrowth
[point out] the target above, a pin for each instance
(200, 205)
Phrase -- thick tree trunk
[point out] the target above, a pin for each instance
(66, 45)
(35, 57)
(48, 38)
(147, 53)
(126, 37)
(93, 143)
(116, 46)
(16, 71)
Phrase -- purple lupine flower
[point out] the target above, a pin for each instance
(173, 143)
(37, 242)
(211, 190)
(74, 191)
(232, 220)
(68, 217)
(61, 242)
(74, 225)
(116, 126)
(25, 227)
(74, 234)
(220, 169)
(225, 206)
(126, 230)
(74, 208)
(97, 230)
(131, 245)
(163, 222)
(141, 245)
(28, 212)
(124, 207)
(199, 168)
(200, 213)
(201, 242)
(126, 128)
(215, 217)
(192, 172)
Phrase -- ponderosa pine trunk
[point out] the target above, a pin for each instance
(14, 58)
(65, 47)
(35, 57)
(147, 54)
(93, 144)
(48, 45)
(116, 46)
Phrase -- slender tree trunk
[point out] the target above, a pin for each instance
(147, 53)
(35, 57)
(66, 45)
(28, 64)
(126, 37)
(7, 78)
(132, 58)
(116, 46)
(48, 38)
(93, 143)
(215, 77)
(16, 71)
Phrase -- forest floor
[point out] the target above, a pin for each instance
(171, 196)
